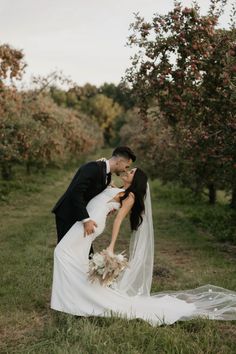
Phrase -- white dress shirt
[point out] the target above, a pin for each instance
(108, 166)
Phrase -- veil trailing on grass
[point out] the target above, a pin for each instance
(137, 278)
(209, 301)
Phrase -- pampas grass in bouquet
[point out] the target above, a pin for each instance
(105, 267)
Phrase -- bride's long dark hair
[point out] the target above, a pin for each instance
(138, 187)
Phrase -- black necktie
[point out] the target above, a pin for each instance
(108, 178)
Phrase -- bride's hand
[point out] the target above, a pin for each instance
(110, 249)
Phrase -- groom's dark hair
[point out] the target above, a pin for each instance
(124, 151)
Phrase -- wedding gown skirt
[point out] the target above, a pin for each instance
(74, 294)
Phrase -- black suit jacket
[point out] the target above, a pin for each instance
(88, 181)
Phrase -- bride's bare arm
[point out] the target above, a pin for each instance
(123, 211)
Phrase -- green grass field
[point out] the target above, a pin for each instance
(186, 256)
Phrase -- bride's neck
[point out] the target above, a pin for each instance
(126, 185)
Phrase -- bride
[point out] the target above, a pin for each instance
(129, 296)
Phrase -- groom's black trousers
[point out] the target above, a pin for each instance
(62, 228)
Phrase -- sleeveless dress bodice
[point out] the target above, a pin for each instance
(98, 209)
(102, 204)
(105, 200)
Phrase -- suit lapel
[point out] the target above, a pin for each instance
(103, 172)
(108, 179)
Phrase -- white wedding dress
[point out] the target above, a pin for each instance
(74, 294)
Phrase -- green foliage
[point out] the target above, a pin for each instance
(107, 105)
(105, 112)
(120, 94)
(60, 97)
(175, 194)
(40, 133)
(182, 78)
(11, 64)
(219, 221)
(36, 126)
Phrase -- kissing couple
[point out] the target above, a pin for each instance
(81, 215)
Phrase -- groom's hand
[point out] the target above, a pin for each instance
(89, 227)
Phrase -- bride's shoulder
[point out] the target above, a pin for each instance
(130, 197)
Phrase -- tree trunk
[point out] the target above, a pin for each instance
(233, 198)
(7, 171)
(197, 189)
(212, 193)
(28, 169)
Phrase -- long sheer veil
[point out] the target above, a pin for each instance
(210, 301)
(137, 278)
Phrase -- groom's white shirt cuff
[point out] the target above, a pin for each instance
(85, 220)
(108, 171)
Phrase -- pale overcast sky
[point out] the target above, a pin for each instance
(85, 39)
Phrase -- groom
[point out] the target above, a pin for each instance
(90, 179)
